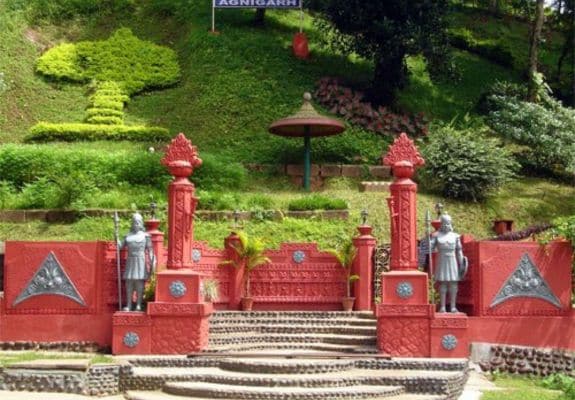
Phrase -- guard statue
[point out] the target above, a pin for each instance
(140, 262)
(451, 264)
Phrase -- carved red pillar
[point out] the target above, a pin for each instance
(403, 157)
(157, 236)
(363, 267)
(236, 274)
(404, 315)
(181, 158)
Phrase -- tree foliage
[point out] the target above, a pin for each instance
(386, 32)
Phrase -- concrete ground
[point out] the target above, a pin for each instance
(476, 385)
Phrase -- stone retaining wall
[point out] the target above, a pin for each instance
(97, 380)
(523, 359)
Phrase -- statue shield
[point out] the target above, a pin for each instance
(463, 268)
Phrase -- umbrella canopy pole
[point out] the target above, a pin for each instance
(307, 159)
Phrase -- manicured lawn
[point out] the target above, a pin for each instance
(520, 388)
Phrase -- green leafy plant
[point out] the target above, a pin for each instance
(249, 254)
(345, 256)
(150, 288)
(464, 164)
(317, 202)
(562, 382)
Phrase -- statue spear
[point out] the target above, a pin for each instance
(428, 234)
(117, 237)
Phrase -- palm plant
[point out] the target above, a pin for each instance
(345, 256)
(249, 255)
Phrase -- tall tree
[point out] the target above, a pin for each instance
(386, 32)
(534, 40)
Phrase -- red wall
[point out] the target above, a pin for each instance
(52, 317)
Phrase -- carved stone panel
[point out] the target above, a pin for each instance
(50, 278)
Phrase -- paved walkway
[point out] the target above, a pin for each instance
(476, 385)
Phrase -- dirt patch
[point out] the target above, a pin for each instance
(36, 38)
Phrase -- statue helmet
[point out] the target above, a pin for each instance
(445, 221)
(137, 220)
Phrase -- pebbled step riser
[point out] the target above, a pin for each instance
(291, 321)
(278, 395)
(360, 341)
(294, 314)
(287, 368)
(219, 330)
(430, 385)
(294, 346)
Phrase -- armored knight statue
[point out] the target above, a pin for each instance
(451, 264)
(139, 268)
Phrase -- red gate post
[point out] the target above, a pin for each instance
(363, 267)
(181, 159)
(157, 236)
(404, 314)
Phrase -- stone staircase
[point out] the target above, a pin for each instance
(290, 377)
(292, 356)
(344, 332)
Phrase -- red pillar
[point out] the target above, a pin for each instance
(363, 267)
(157, 236)
(236, 274)
(181, 158)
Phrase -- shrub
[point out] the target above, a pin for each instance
(123, 58)
(465, 164)
(59, 10)
(317, 202)
(72, 132)
(348, 104)
(494, 51)
(546, 128)
(25, 164)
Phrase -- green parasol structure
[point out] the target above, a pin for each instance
(306, 123)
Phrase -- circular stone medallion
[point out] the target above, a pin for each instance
(404, 290)
(298, 256)
(196, 255)
(449, 342)
(177, 289)
(131, 339)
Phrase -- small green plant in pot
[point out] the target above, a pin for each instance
(249, 255)
(345, 256)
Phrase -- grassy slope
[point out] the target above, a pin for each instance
(233, 86)
(520, 388)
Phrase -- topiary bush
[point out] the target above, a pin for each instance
(317, 202)
(465, 164)
(123, 58)
(44, 132)
(349, 105)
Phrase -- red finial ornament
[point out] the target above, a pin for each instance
(403, 149)
(181, 156)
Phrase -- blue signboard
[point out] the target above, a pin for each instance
(257, 3)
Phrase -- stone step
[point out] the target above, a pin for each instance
(352, 322)
(318, 315)
(156, 395)
(414, 381)
(285, 366)
(223, 339)
(307, 347)
(293, 328)
(220, 391)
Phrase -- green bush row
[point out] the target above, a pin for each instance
(71, 132)
(103, 112)
(317, 202)
(123, 58)
(22, 165)
(496, 52)
(105, 120)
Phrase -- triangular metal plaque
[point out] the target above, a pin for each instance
(525, 281)
(50, 278)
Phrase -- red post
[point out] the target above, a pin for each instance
(181, 158)
(236, 274)
(363, 267)
(157, 236)
(403, 157)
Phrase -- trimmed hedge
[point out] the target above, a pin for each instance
(317, 202)
(135, 64)
(72, 132)
(100, 110)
